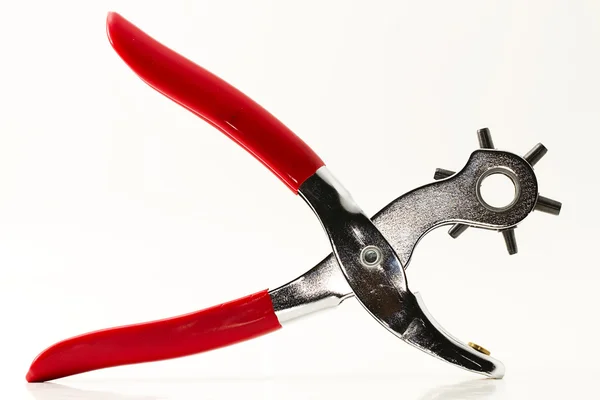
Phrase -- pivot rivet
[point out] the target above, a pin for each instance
(370, 256)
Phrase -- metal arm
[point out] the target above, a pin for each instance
(403, 223)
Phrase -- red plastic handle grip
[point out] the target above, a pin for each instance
(209, 329)
(215, 101)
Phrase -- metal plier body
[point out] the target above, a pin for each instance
(369, 255)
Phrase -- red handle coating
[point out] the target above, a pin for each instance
(215, 101)
(214, 327)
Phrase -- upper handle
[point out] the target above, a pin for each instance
(215, 101)
(204, 330)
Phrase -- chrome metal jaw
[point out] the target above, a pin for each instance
(381, 286)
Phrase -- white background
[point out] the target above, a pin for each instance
(118, 206)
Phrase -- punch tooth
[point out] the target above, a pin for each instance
(535, 154)
(441, 173)
(485, 138)
(511, 241)
(547, 205)
(457, 230)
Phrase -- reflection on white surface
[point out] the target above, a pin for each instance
(474, 389)
(53, 391)
(264, 388)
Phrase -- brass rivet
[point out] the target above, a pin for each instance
(479, 348)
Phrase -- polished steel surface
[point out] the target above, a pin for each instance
(535, 154)
(441, 173)
(407, 219)
(395, 232)
(498, 171)
(510, 240)
(323, 286)
(547, 205)
(382, 288)
(456, 230)
(485, 138)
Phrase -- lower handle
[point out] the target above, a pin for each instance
(204, 330)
